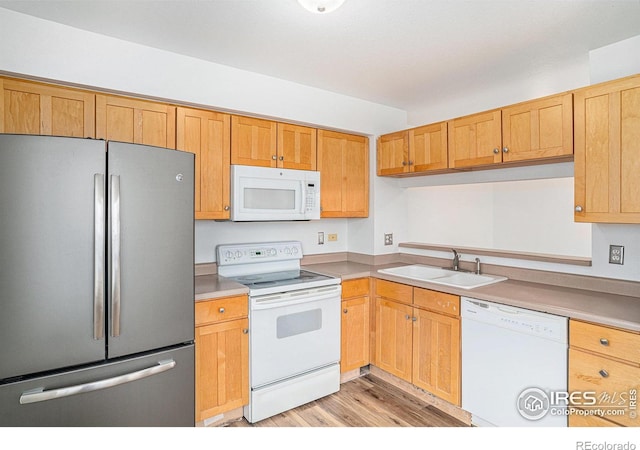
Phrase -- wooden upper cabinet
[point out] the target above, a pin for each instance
(297, 147)
(607, 152)
(420, 149)
(207, 134)
(428, 147)
(253, 142)
(393, 153)
(137, 121)
(343, 162)
(475, 140)
(36, 108)
(538, 129)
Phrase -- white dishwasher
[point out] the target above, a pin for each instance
(514, 360)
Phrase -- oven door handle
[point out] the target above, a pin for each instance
(280, 300)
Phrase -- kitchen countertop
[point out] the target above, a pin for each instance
(600, 307)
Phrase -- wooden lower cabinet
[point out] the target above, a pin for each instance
(354, 347)
(222, 356)
(419, 345)
(436, 354)
(604, 362)
(393, 342)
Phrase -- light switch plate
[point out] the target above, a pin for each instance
(616, 254)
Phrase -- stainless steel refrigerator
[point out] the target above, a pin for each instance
(96, 283)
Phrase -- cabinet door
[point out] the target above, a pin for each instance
(296, 147)
(607, 152)
(436, 354)
(208, 135)
(393, 338)
(393, 153)
(475, 140)
(222, 368)
(428, 148)
(538, 129)
(355, 334)
(343, 162)
(253, 142)
(135, 121)
(34, 108)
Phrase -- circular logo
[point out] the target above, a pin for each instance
(533, 404)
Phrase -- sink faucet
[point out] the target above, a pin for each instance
(456, 260)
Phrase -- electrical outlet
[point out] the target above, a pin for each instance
(616, 254)
(388, 239)
(320, 237)
(333, 237)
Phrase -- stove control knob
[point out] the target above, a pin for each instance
(294, 250)
(228, 255)
(272, 252)
(238, 254)
(287, 251)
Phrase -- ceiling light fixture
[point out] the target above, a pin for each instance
(321, 6)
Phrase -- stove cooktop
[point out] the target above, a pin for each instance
(284, 281)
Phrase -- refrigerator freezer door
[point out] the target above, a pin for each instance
(111, 394)
(150, 248)
(49, 201)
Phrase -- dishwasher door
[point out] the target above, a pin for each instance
(505, 352)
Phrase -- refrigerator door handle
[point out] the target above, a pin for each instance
(115, 255)
(98, 256)
(40, 395)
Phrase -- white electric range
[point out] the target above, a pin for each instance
(294, 323)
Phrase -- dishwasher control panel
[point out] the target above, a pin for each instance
(545, 325)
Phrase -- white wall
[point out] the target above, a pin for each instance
(38, 48)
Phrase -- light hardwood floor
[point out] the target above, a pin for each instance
(367, 401)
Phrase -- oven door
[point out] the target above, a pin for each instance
(293, 333)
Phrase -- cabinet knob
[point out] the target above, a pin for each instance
(410, 162)
(407, 316)
(604, 342)
(221, 310)
(274, 157)
(505, 150)
(404, 163)
(603, 373)
(414, 319)
(226, 207)
(496, 151)
(281, 158)
(245, 331)
(345, 310)
(578, 208)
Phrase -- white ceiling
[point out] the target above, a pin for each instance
(401, 53)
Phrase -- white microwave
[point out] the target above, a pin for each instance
(265, 194)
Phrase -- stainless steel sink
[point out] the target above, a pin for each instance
(437, 275)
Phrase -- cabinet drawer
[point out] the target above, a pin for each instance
(437, 301)
(221, 310)
(355, 288)
(394, 291)
(604, 340)
(576, 420)
(612, 390)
